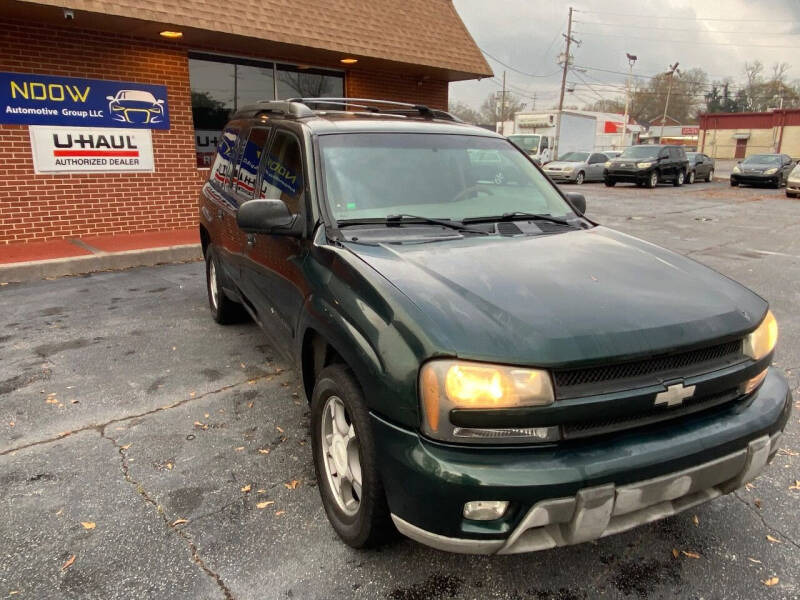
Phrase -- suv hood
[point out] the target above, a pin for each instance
(569, 298)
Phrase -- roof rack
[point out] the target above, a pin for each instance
(279, 107)
(367, 104)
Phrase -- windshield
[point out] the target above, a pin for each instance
(692, 155)
(574, 157)
(441, 176)
(136, 96)
(640, 152)
(529, 143)
(762, 159)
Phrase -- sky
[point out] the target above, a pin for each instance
(717, 36)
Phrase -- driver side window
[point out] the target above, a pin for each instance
(282, 172)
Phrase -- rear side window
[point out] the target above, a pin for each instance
(221, 169)
(283, 172)
(246, 172)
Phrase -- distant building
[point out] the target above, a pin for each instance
(738, 135)
(671, 131)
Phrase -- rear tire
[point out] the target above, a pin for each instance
(710, 176)
(653, 180)
(223, 309)
(692, 177)
(734, 183)
(679, 179)
(344, 455)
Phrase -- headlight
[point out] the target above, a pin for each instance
(608, 163)
(737, 169)
(771, 171)
(447, 385)
(117, 107)
(644, 165)
(568, 169)
(762, 341)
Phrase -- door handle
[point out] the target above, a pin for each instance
(251, 240)
(220, 214)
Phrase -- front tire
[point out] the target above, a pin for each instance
(692, 177)
(734, 183)
(345, 460)
(710, 176)
(653, 180)
(679, 178)
(579, 178)
(610, 182)
(223, 309)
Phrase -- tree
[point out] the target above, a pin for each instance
(613, 105)
(686, 96)
(464, 112)
(490, 111)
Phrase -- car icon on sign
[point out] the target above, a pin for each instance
(135, 106)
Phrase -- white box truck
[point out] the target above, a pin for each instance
(535, 133)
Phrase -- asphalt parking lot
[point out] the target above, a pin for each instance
(146, 452)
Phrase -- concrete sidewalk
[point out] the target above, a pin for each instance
(87, 254)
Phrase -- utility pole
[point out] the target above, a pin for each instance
(569, 39)
(503, 108)
(631, 61)
(672, 70)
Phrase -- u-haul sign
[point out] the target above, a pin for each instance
(91, 150)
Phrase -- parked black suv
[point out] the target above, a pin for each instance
(648, 165)
(488, 370)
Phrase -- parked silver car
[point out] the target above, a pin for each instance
(577, 167)
(793, 183)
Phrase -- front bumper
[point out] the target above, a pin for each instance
(755, 179)
(574, 492)
(793, 186)
(562, 176)
(628, 175)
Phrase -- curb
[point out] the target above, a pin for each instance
(102, 261)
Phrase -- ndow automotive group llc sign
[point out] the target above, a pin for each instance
(27, 99)
(91, 150)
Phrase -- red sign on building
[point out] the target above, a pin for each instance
(690, 130)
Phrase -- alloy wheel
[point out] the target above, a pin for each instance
(579, 178)
(340, 455)
(692, 176)
(212, 283)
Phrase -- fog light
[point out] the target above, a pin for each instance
(752, 383)
(485, 510)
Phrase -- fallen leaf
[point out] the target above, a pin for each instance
(169, 466)
(60, 510)
(796, 485)
(690, 554)
(695, 520)
(179, 522)
(199, 425)
(771, 581)
(12, 592)
(206, 415)
(125, 447)
(69, 563)
(773, 540)
(73, 401)
(52, 400)
(246, 488)
(261, 491)
(279, 428)
(675, 553)
(11, 423)
(279, 513)
(239, 449)
(748, 486)
(249, 405)
(242, 365)
(788, 452)
(754, 560)
(757, 502)
(88, 524)
(292, 484)
(265, 504)
(263, 450)
(192, 394)
(251, 381)
(174, 348)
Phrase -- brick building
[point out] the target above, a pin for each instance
(109, 110)
(738, 135)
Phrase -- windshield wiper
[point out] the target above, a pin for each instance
(518, 214)
(406, 218)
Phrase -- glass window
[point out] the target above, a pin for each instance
(309, 83)
(370, 176)
(221, 85)
(246, 173)
(283, 172)
(221, 170)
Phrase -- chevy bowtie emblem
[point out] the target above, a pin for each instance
(674, 395)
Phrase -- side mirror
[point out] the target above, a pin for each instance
(109, 97)
(578, 201)
(265, 216)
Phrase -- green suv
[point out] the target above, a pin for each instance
(489, 370)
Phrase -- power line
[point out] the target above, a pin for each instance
(604, 13)
(685, 29)
(694, 42)
(497, 60)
